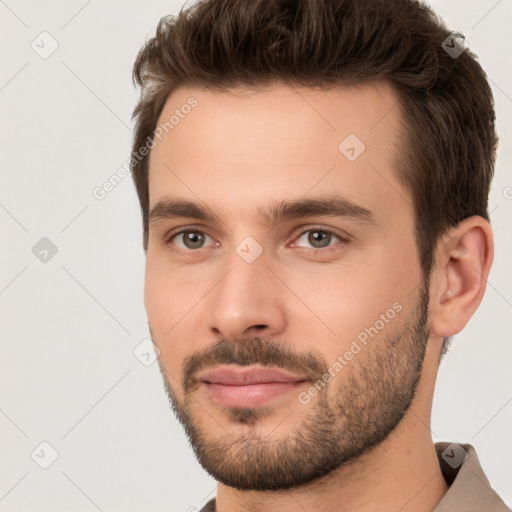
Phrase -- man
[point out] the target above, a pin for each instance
(313, 179)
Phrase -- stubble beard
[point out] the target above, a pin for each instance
(368, 404)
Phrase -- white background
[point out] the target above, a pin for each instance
(69, 326)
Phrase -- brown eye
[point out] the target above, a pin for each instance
(318, 238)
(190, 239)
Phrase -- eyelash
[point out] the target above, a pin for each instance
(324, 250)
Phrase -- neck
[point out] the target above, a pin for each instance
(402, 473)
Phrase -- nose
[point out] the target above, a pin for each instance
(248, 301)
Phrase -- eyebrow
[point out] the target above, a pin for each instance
(332, 205)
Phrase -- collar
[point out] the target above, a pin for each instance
(470, 490)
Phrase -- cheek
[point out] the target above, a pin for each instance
(167, 300)
(344, 303)
(346, 299)
(168, 292)
(157, 297)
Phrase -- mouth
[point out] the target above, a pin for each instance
(248, 387)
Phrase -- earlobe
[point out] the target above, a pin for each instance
(464, 259)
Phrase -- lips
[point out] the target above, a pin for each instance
(230, 376)
(233, 386)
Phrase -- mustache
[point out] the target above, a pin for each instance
(254, 351)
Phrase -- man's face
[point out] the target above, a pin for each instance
(334, 300)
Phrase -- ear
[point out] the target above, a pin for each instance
(464, 257)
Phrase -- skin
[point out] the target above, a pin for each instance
(239, 151)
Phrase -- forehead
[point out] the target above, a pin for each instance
(241, 147)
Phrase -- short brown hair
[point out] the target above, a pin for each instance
(447, 162)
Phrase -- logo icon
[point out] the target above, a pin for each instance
(44, 455)
(146, 352)
(454, 454)
(351, 147)
(455, 45)
(249, 249)
(44, 45)
(44, 250)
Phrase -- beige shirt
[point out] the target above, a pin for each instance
(469, 490)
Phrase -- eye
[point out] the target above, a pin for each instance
(319, 238)
(190, 239)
